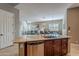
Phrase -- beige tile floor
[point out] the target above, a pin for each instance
(13, 50)
(74, 49)
(9, 51)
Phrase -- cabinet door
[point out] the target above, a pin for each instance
(57, 47)
(48, 48)
(64, 46)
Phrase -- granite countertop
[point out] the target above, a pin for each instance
(36, 38)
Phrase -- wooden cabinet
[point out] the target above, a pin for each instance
(23, 49)
(48, 48)
(64, 46)
(56, 47)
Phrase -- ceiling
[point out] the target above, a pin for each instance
(42, 11)
(12, 4)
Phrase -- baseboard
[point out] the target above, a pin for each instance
(6, 47)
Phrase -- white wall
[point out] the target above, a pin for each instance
(64, 27)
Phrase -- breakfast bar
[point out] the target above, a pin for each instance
(42, 45)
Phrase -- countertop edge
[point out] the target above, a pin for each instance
(42, 39)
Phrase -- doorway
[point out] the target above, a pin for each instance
(6, 29)
(73, 29)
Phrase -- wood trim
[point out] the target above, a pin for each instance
(25, 49)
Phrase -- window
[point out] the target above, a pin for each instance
(54, 27)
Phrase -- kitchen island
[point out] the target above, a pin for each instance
(42, 45)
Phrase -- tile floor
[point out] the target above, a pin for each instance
(74, 49)
(13, 50)
(9, 51)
